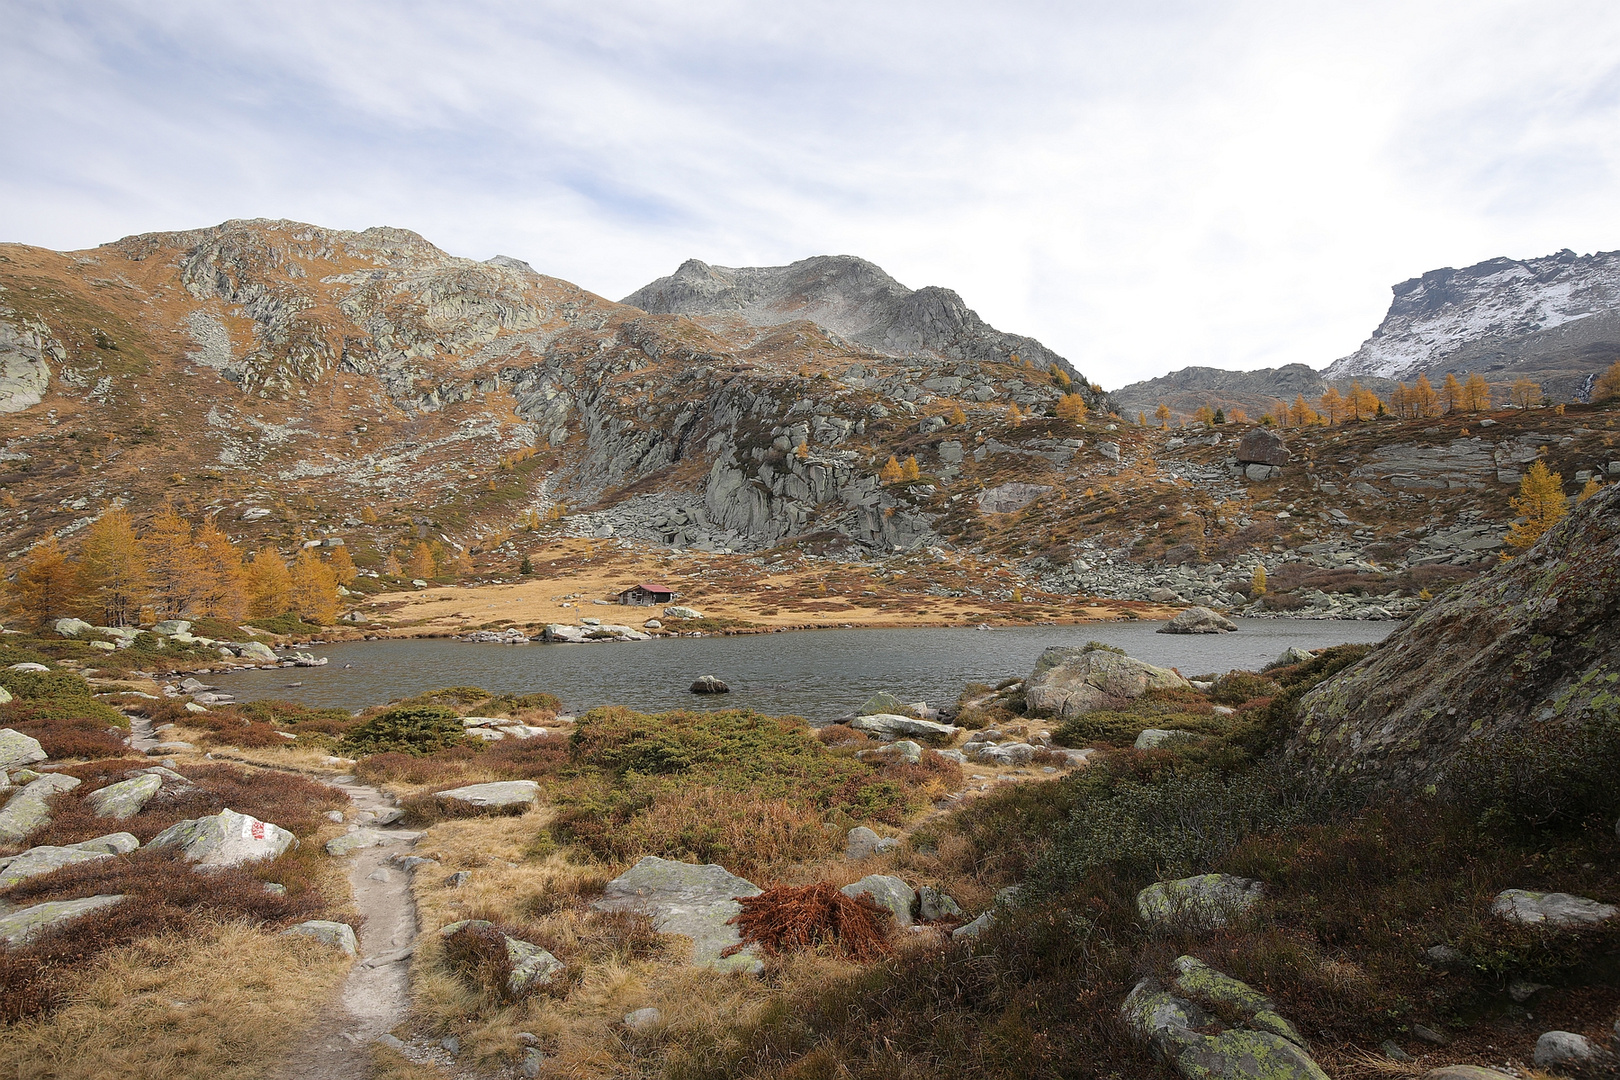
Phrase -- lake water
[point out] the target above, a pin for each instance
(812, 673)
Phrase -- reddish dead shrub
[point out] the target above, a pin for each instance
(842, 735)
(63, 737)
(785, 918)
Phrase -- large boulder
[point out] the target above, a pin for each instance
(339, 935)
(29, 810)
(126, 798)
(254, 650)
(1068, 681)
(894, 726)
(530, 967)
(1198, 620)
(17, 749)
(1204, 900)
(224, 839)
(22, 926)
(1555, 909)
(1261, 447)
(696, 902)
(500, 795)
(880, 702)
(678, 611)
(887, 892)
(1533, 638)
(73, 627)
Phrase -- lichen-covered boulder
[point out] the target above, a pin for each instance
(529, 966)
(893, 726)
(361, 838)
(1204, 900)
(881, 702)
(887, 892)
(22, 926)
(933, 905)
(502, 795)
(17, 749)
(254, 650)
(1200, 982)
(1068, 682)
(1198, 620)
(1560, 910)
(72, 627)
(697, 902)
(118, 843)
(126, 798)
(46, 857)
(1153, 738)
(29, 810)
(225, 839)
(339, 935)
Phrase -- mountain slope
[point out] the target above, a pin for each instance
(851, 297)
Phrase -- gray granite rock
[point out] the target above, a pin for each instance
(340, 935)
(1204, 900)
(887, 892)
(693, 901)
(126, 798)
(23, 925)
(225, 839)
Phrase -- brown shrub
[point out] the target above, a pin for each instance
(479, 955)
(788, 919)
(842, 735)
(63, 738)
(393, 767)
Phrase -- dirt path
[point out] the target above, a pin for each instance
(376, 996)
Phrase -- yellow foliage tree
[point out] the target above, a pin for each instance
(422, 564)
(1162, 415)
(891, 473)
(1423, 400)
(312, 589)
(1333, 405)
(368, 515)
(1072, 407)
(390, 565)
(45, 589)
(342, 564)
(172, 563)
(1363, 402)
(1237, 416)
(1476, 393)
(957, 415)
(1257, 583)
(909, 470)
(462, 563)
(1451, 393)
(1592, 488)
(112, 579)
(1525, 392)
(1015, 415)
(1300, 414)
(1540, 503)
(1060, 377)
(1607, 387)
(269, 586)
(1141, 418)
(222, 583)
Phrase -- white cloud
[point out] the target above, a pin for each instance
(1140, 186)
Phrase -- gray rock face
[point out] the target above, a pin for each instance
(336, 934)
(502, 794)
(1010, 498)
(1560, 910)
(1188, 389)
(1198, 620)
(1262, 447)
(694, 901)
(933, 905)
(1204, 900)
(1069, 682)
(17, 749)
(892, 726)
(29, 810)
(860, 843)
(887, 892)
(22, 926)
(126, 798)
(26, 349)
(225, 839)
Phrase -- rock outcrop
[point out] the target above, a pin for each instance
(1070, 681)
(696, 902)
(1535, 638)
(1198, 620)
(224, 839)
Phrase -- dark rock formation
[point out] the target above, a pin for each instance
(1262, 447)
(1536, 638)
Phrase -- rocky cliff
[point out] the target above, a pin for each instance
(1534, 639)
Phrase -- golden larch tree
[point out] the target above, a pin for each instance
(1607, 386)
(891, 473)
(909, 470)
(1591, 488)
(422, 564)
(1476, 393)
(390, 565)
(1451, 393)
(1525, 392)
(1237, 416)
(1162, 415)
(172, 563)
(1540, 503)
(222, 583)
(312, 588)
(1015, 415)
(1072, 407)
(957, 415)
(1333, 406)
(1257, 583)
(1424, 400)
(342, 564)
(112, 579)
(1363, 402)
(45, 589)
(269, 586)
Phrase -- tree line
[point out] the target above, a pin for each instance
(171, 570)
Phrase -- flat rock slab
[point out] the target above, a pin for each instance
(1206, 900)
(225, 839)
(694, 901)
(126, 798)
(1175, 1026)
(359, 839)
(887, 892)
(505, 793)
(339, 935)
(20, 927)
(29, 809)
(43, 860)
(1555, 909)
(17, 749)
(894, 726)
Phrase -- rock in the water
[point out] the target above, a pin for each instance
(694, 901)
(1480, 662)
(1554, 909)
(887, 892)
(338, 934)
(1565, 1048)
(126, 798)
(1198, 620)
(17, 749)
(1205, 900)
(29, 810)
(531, 966)
(42, 860)
(677, 611)
(881, 702)
(709, 684)
(1068, 682)
(1153, 738)
(503, 794)
(643, 1019)
(1262, 447)
(892, 726)
(21, 926)
(225, 839)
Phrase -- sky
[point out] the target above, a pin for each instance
(1141, 186)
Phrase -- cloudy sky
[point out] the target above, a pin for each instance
(1140, 185)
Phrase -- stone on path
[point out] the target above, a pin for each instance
(1560, 910)
(29, 810)
(694, 901)
(338, 934)
(893, 726)
(17, 749)
(1068, 682)
(1198, 620)
(351, 842)
(1205, 900)
(887, 892)
(22, 926)
(225, 839)
(502, 794)
(126, 798)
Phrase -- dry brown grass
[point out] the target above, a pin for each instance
(222, 999)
